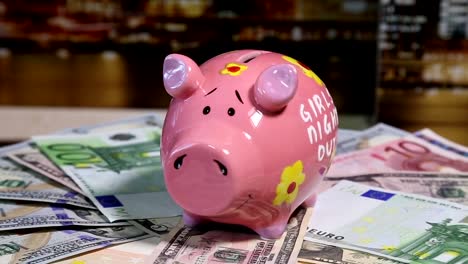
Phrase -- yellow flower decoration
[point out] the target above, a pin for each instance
(307, 71)
(234, 69)
(291, 178)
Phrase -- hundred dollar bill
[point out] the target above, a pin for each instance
(119, 171)
(15, 215)
(211, 244)
(400, 226)
(156, 226)
(149, 120)
(373, 136)
(36, 161)
(318, 253)
(435, 139)
(52, 245)
(407, 154)
(133, 252)
(20, 183)
(450, 187)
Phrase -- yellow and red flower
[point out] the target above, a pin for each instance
(288, 188)
(234, 69)
(307, 71)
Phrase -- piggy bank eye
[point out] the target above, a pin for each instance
(206, 110)
(231, 111)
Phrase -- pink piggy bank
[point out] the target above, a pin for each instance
(248, 137)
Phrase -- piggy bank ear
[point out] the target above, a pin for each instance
(275, 87)
(181, 75)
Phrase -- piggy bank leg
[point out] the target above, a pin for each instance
(310, 202)
(191, 219)
(273, 231)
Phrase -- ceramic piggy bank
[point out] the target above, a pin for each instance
(247, 138)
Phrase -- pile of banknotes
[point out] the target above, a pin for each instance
(96, 194)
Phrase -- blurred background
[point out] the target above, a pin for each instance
(404, 62)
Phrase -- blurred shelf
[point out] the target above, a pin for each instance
(410, 85)
(339, 21)
(430, 98)
(443, 110)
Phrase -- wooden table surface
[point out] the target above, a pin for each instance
(20, 123)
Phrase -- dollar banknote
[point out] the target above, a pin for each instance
(407, 154)
(451, 187)
(134, 252)
(21, 183)
(156, 226)
(36, 161)
(119, 171)
(22, 215)
(435, 139)
(400, 226)
(213, 244)
(52, 245)
(373, 136)
(318, 253)
(149, 120)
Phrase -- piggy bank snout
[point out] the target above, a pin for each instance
(179, 161)
(199, 177)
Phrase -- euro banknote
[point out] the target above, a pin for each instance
(36, 161)
(213, 244)
(407, 154)
(22, 215)
(378, 134)
(21, 183)
(451, 187)
(52, 245)
(436, 139)
(30, 157)
(400, 226)
(318, 253)
(119, 171)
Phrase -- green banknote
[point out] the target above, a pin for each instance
(403, 227)
(21, 183)
(120, 171)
